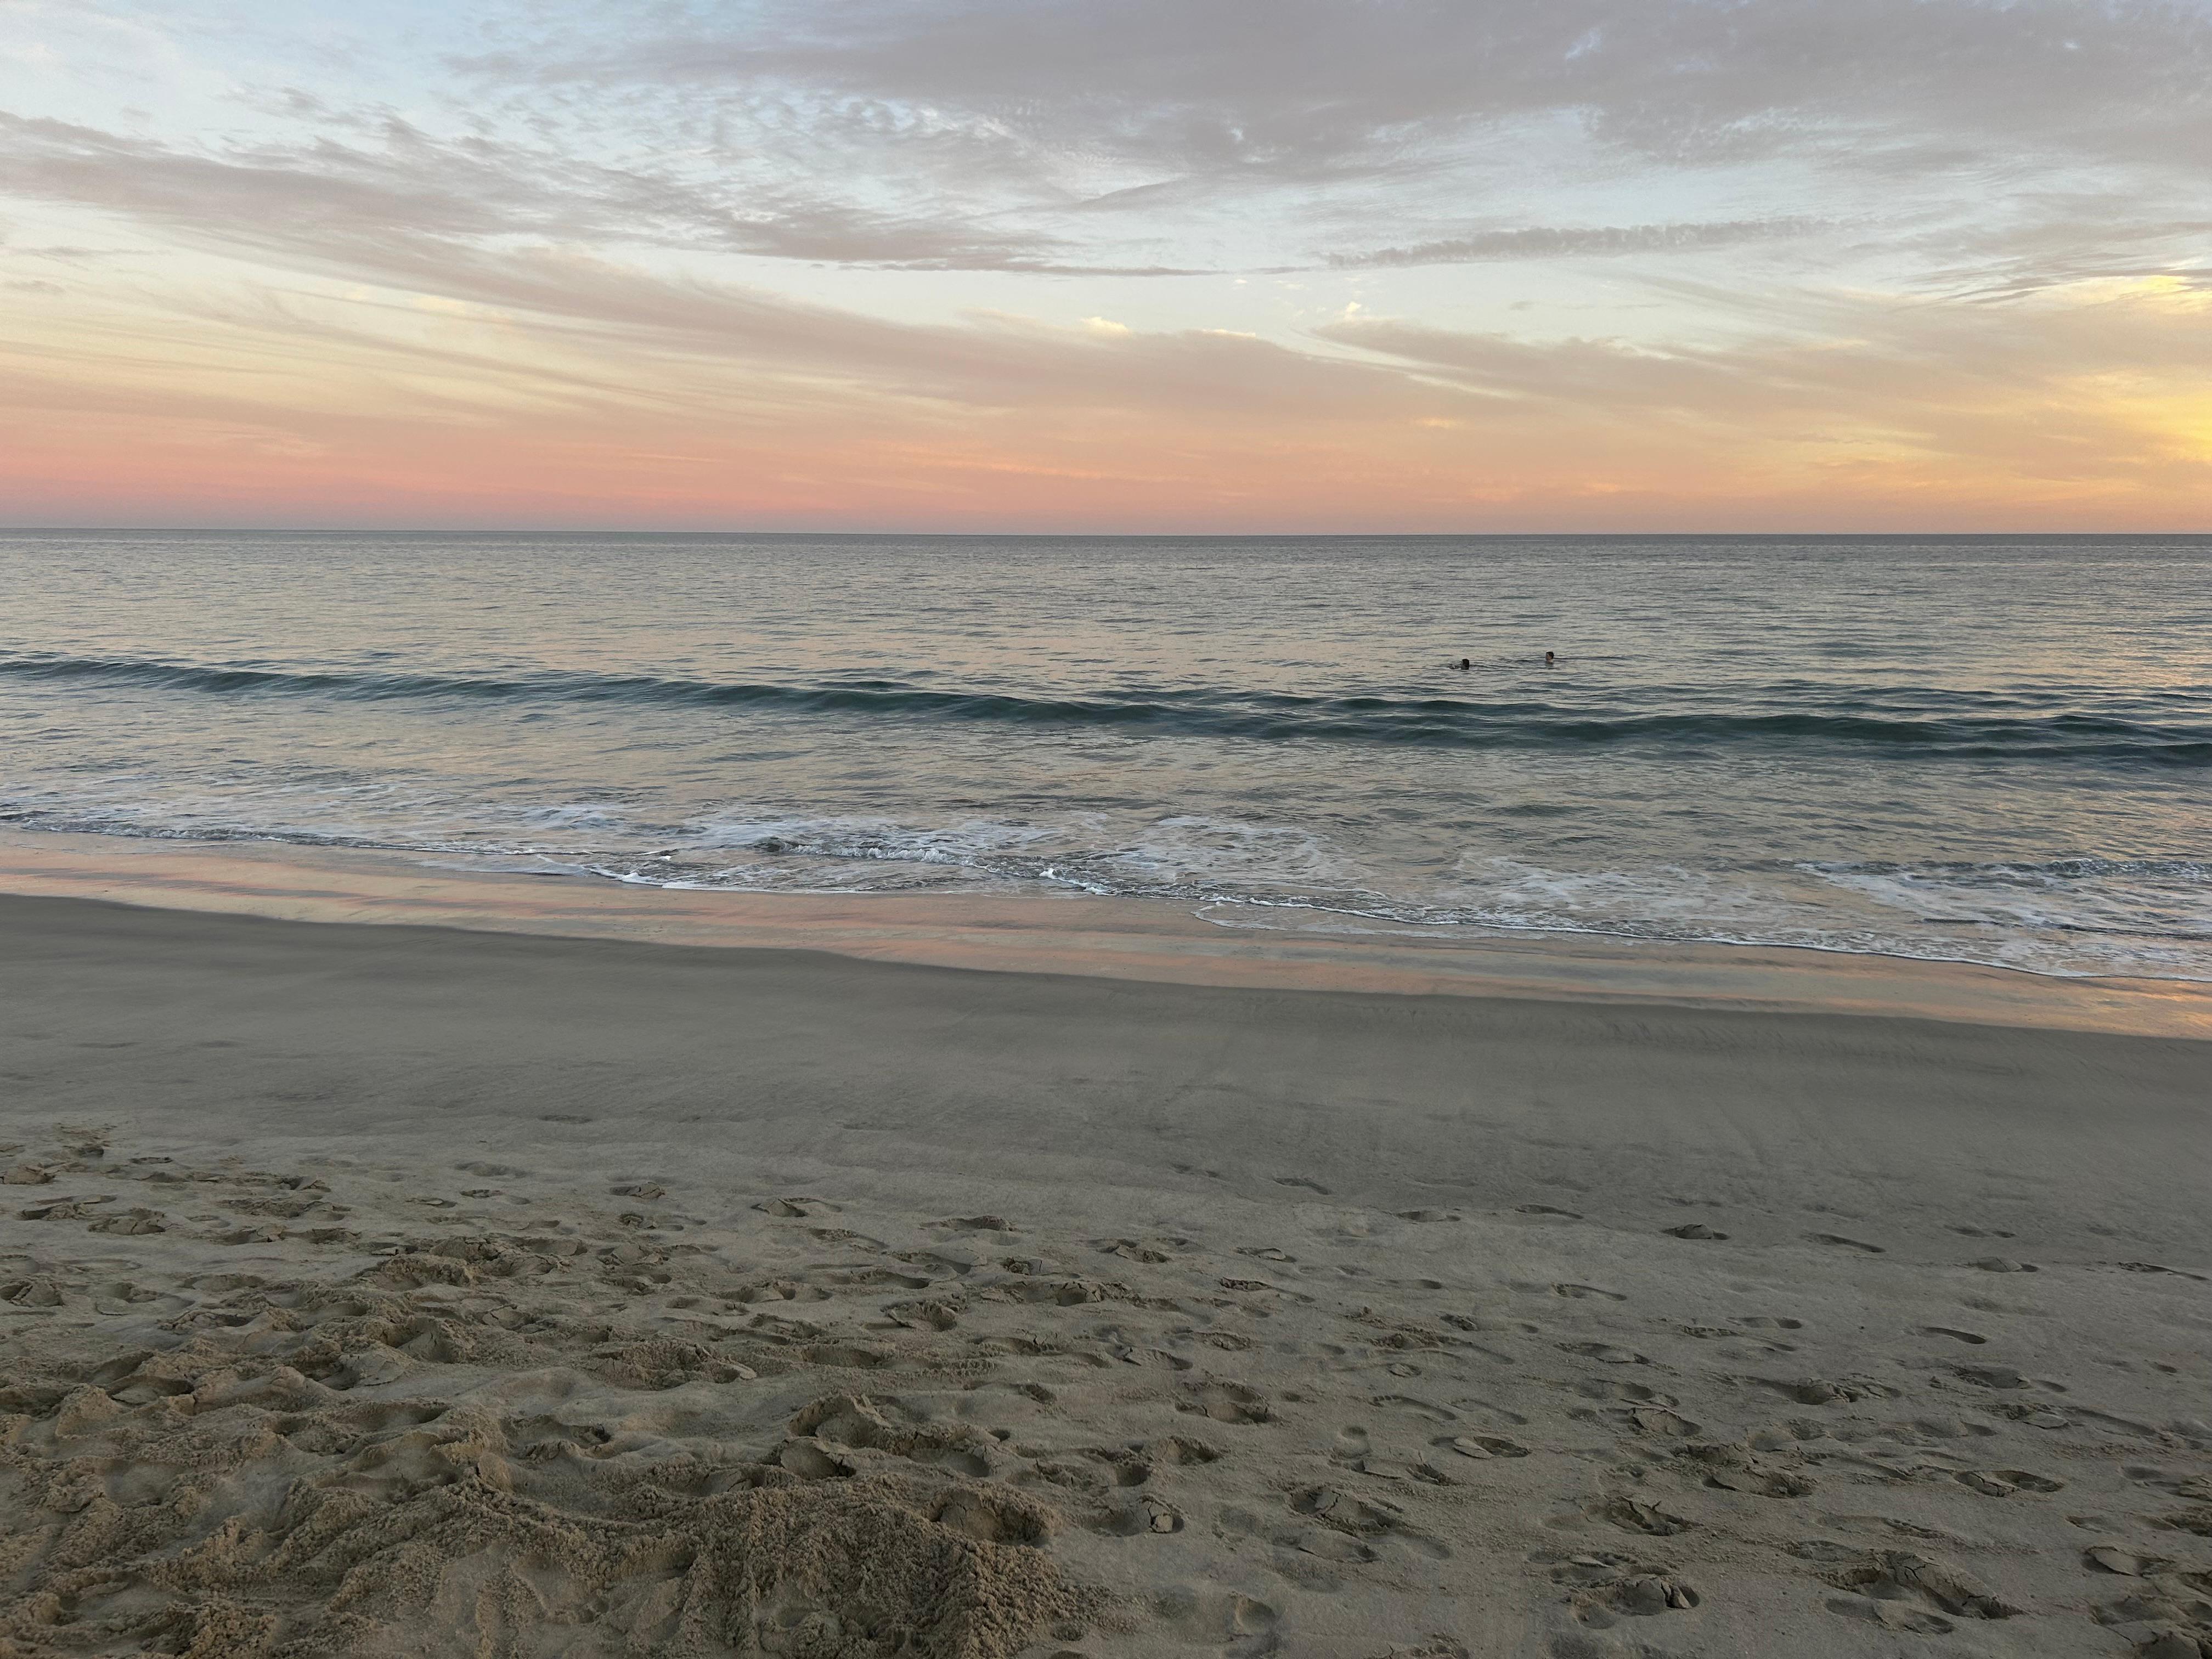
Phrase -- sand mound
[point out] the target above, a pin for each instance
(207, 1502)
(404, 1458)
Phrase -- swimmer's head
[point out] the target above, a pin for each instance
(1549, 659)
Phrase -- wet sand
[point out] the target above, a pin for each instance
(1154, 940)
(401, 1289)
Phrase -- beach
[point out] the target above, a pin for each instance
(978, 829)
(397, 1289)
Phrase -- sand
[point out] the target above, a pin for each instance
(381, 1290)
(1156, 941)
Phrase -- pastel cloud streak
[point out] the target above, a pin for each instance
(1215, 265)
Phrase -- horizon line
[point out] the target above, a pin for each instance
(1116, 535)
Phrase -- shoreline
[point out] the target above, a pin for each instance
(1149, 940)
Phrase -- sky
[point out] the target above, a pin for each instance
(1114, 265)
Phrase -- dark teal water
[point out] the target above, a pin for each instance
(1994, 750)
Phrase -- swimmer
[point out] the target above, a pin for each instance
(1550, 661)
(1461, 666)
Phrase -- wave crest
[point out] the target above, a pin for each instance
(1946, 723)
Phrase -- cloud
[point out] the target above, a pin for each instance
(579, 391)
(474, 187)
(374, 220)
(1319, 88)
(1555, 242)
(1122, 135)
(1164, 137)
(2081, 386)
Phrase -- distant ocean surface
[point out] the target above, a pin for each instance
(1992, 750)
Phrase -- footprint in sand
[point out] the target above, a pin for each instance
(1641, 1515)
(1657, 1421)
(1731, 1468)
(1999, 1264)
(1130, 1250)
(1151, 1359)
(66, 1209)
(123, 1297)
(1226, 1402)
(1214, 1617)
(811, 1462)
(1406, 1402)
(2004, 1483)
(1548, 1209)
(1605, 1583)
(1820, 1391)
(1332, 1547)
(2196, 1521)
(1300, 1181)
(2150, 1475)
(1147, 1517)
(131, 1223)
(1251, 1286)
(1342, 1512)
(1598, 1387)
(1979, 1232)
(1476, 1406)
(1890, 1615)
(1838, 1240)
(1912, 1592)
(1973, 1338)
(2002, 1376)
(775, 1290)
(1479, 1446)
(795, 1206)
(1610, 1353)
(1181, 1451)
(1581, 1291)
(1694, 1230)
(934, 1314)
(2154, 1267)
(2126, 1563)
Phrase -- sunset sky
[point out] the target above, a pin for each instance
(1106, 264)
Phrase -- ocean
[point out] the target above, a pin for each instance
(1982, 750)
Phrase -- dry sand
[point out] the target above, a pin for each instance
(393, 1291)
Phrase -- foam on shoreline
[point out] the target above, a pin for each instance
(1144, 940)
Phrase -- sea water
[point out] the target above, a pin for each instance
(1988, 750)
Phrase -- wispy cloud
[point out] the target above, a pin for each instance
(473, 187)
(1579, 242)
(1320, 89)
